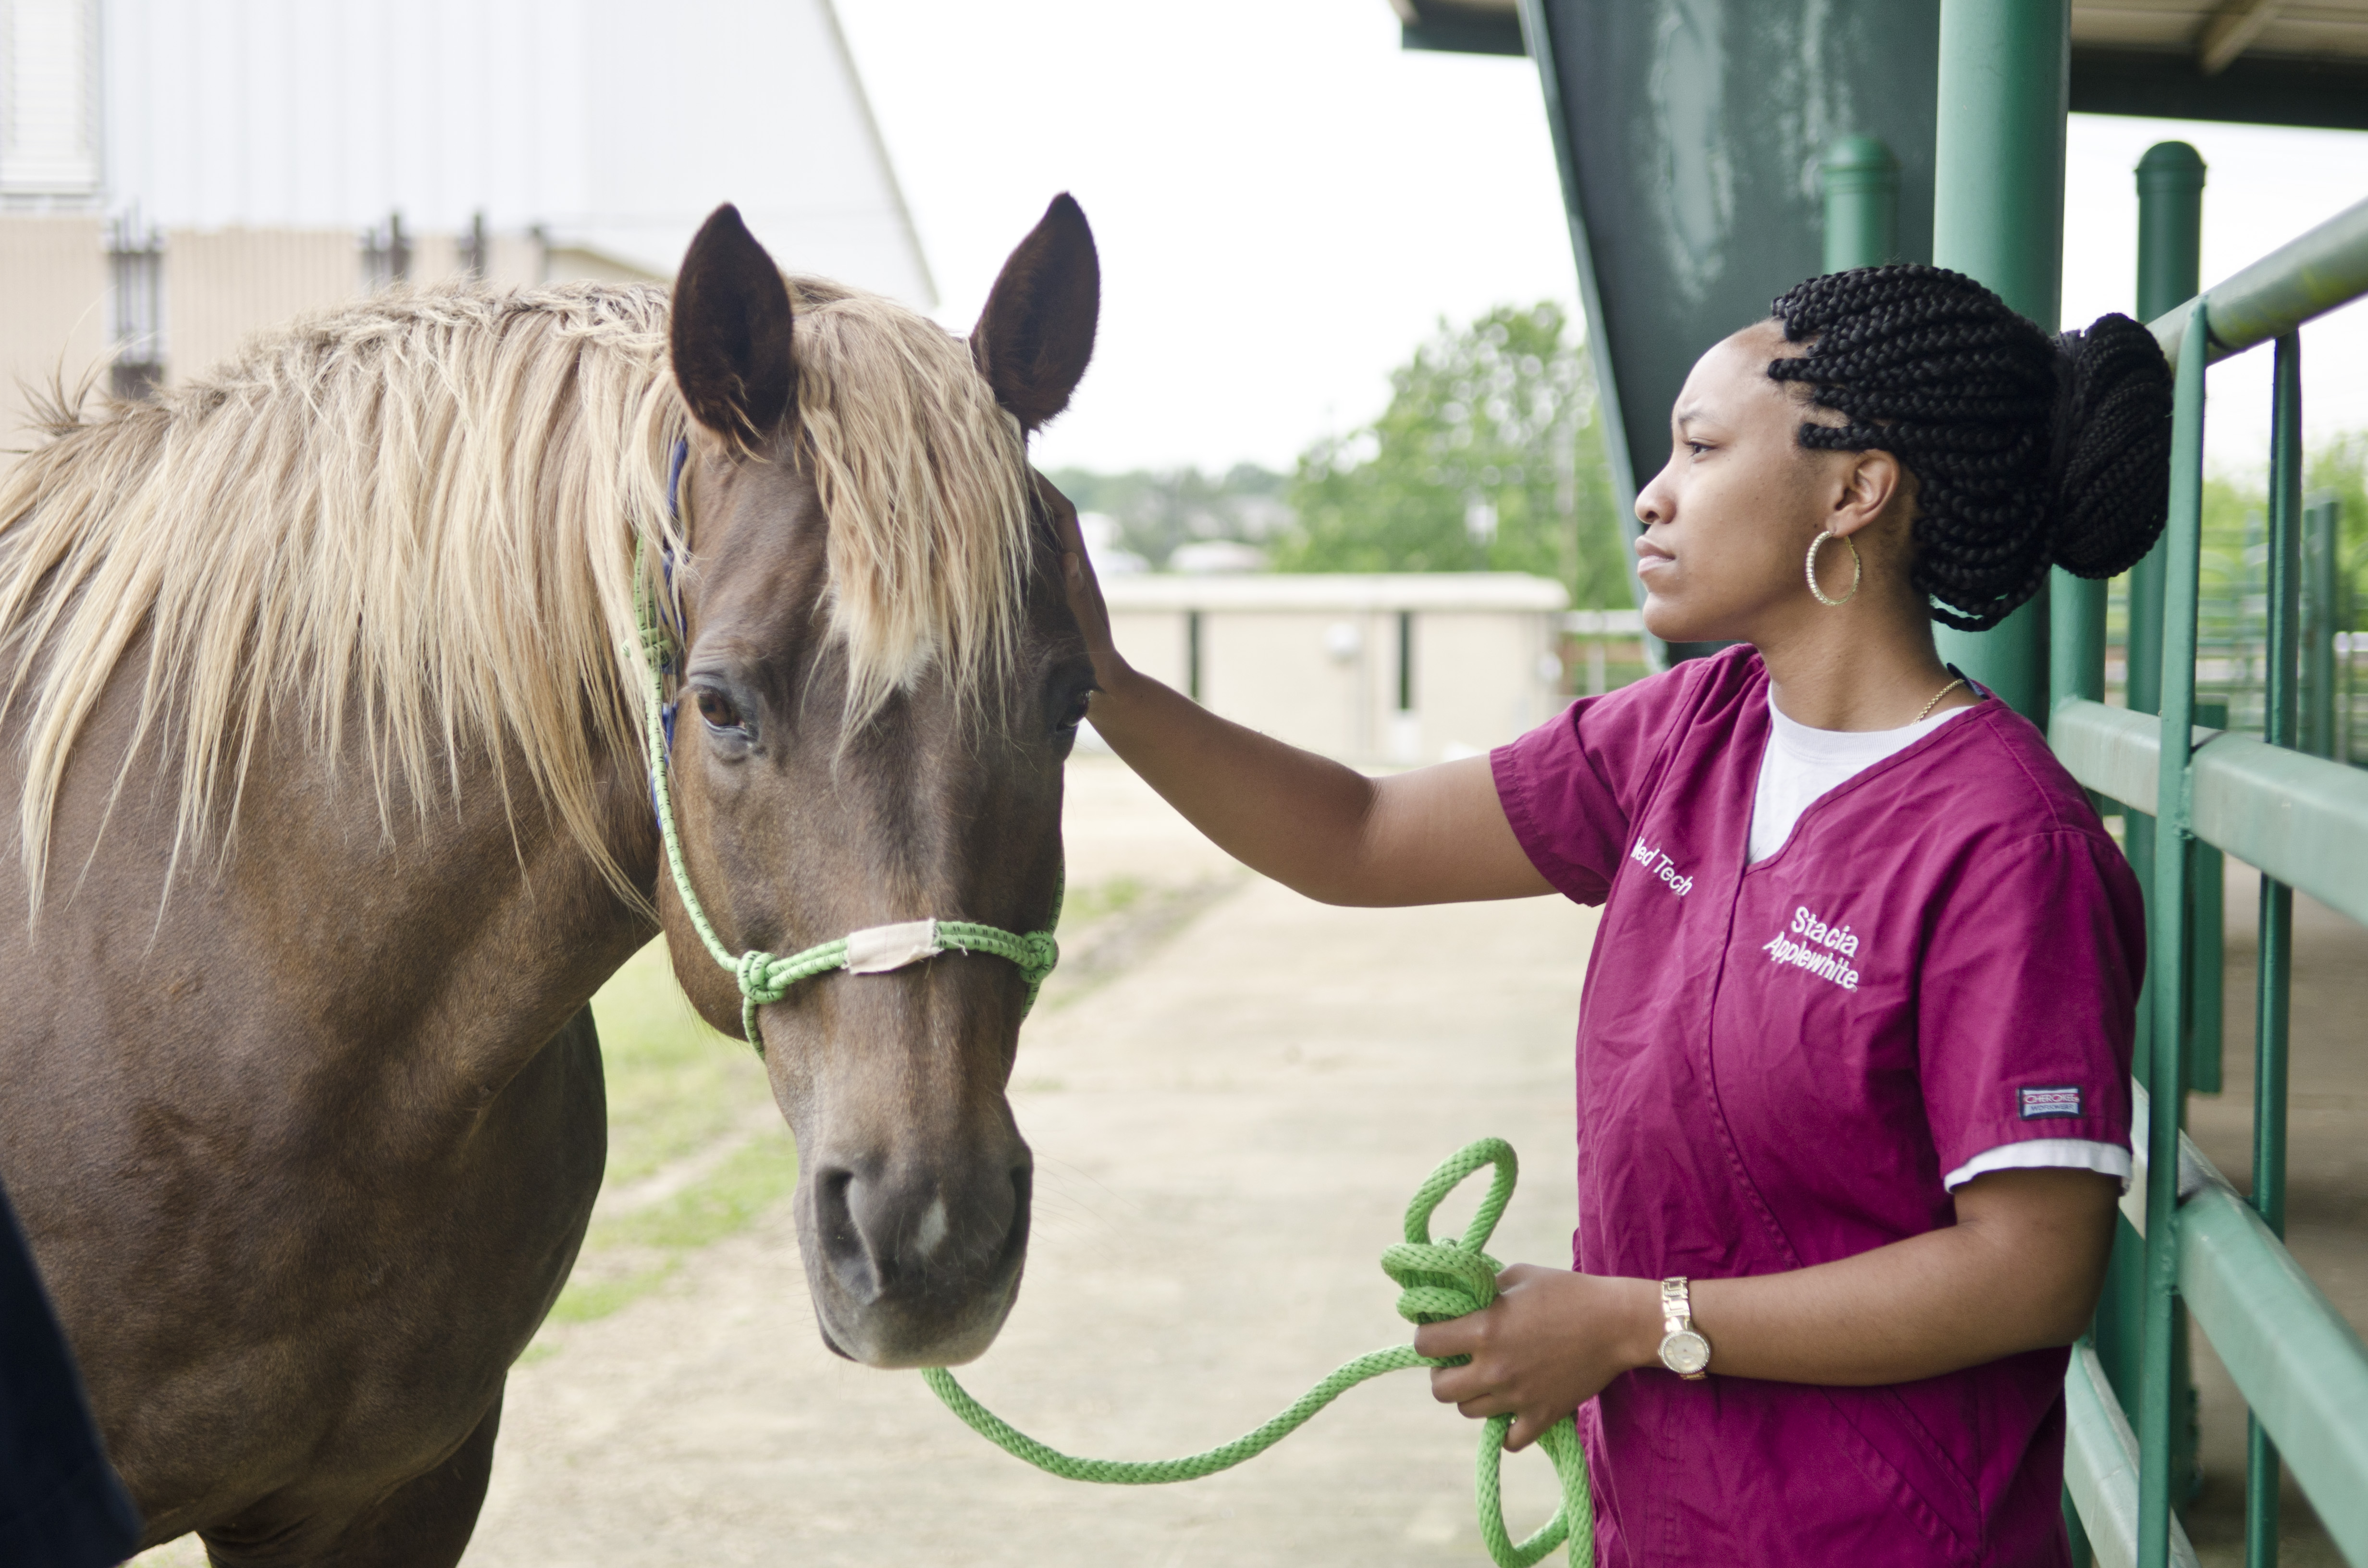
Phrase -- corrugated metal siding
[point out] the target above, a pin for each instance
(53, 281)
(221, 285)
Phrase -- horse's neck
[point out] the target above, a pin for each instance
(499, 921)
(453, 939)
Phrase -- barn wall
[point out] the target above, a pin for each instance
(56, 319)
(223, 285)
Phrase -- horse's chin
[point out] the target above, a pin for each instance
(892, 1338)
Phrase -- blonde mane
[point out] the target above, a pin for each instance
(413, 521)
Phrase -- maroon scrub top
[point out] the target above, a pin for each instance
(1776, 1064)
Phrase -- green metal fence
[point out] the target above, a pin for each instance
(2187, 792)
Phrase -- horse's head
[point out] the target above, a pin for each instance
(879, 680)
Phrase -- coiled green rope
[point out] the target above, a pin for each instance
(1440, 1280)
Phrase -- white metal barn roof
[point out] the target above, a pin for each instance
(616, 124)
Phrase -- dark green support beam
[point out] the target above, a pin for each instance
(2254, 90)
(1998, 216)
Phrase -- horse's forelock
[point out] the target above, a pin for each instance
(924, 479)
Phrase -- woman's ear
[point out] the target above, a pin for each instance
(1873, 486)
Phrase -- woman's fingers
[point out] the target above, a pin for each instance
(1529, 1426)
(1456, 1337)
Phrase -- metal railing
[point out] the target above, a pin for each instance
(2302, 820)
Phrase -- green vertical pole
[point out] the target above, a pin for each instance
(2321, 571)
(2169, 272)
(1999, 217)
(2167, 938)
(1861, 187)
(2273, 991)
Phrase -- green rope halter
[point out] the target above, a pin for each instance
(766, 978)
(1441, 1280)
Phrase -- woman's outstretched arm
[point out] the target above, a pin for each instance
(1434, 835)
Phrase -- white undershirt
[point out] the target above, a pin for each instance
(1802, 765)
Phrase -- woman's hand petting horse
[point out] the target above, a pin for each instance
(1431, 835)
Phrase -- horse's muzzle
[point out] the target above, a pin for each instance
(913, 1266)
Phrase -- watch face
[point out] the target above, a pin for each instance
(1685, 1352)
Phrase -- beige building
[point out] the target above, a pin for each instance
(1403, 668)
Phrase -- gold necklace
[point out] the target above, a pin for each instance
(1936, 699)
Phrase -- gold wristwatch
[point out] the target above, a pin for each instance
(1683, 1349)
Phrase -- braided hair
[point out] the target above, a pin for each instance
(2028, 451)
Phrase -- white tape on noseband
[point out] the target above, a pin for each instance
(876, 950)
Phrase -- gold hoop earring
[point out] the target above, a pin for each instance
(1858, 569)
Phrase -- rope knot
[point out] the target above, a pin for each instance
(1039, 954)
(758, 985)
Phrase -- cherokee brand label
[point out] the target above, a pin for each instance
(1823, 948)
(1661, 865)
(2062, 1099)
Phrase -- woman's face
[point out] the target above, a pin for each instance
(1730, 519)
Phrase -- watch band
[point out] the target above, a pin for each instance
(1683, 1349)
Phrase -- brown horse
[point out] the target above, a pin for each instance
(334, 815)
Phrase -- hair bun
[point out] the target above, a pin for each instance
(2111, 465)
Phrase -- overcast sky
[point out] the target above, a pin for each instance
(1286, 202)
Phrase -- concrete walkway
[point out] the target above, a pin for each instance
(1226, 1134)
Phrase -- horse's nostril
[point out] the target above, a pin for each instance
(842, 1237)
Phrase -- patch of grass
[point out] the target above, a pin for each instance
(628, 1255)
(1082, 903)
(675, 1085)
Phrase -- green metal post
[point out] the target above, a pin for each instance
(2322, 533)
(2167, 932)
(1861, 186)
(1998, 216)
(2169, 272)
(2274, 978)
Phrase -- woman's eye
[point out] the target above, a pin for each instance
(718, 711)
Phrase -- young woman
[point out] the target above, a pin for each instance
(1853, 1057)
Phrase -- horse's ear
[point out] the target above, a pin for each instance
(1037, 333)
(731, 332)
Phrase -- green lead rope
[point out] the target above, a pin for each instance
(764, 978)
(1438, 1280)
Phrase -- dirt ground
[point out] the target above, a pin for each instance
(1230, 1095)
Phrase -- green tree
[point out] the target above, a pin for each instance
(1157, 511)
(2341, 466)
(1489, 457)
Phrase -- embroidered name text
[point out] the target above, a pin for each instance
(1825, 966)
(1836, 938)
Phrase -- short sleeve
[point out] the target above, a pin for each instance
(1571, 787)
(2027, 1000)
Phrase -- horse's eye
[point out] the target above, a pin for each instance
(1074, 714)
(718, 711)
